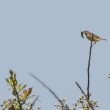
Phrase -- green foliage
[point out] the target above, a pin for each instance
(20, 95)
(83, 104)
(20, 99)
(65, 105)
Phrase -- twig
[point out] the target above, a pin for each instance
(84, 95)
(81, 89)
(88, 69)
(48, 88)
(33, 103)
(88, 72)
(17, 95)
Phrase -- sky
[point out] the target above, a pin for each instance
(43, 37)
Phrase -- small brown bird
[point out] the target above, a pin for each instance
(90, 36)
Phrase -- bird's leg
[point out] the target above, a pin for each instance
(93, 43)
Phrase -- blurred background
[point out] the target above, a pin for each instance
(42, 37)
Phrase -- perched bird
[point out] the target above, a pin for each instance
(90, 36)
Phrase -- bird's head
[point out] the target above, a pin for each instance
(84, 33)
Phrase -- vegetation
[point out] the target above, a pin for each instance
(21, 96)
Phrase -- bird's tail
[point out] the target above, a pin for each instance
(104, 39)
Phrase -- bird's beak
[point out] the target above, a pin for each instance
(82, 35)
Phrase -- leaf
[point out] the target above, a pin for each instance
(20, 87)
(6, 104)
(12, 80)
(25, 94)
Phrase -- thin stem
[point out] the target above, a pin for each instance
(17, 95)
(88, 71)
(33, 103)
(81, 89)
(84, 95)
(48, 88)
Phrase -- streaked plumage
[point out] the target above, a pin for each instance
(90, 36)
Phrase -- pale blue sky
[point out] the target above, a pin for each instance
(43, 37)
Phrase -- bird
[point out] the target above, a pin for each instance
(91, 36)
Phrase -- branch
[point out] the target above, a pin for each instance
(48, 88)
(88, 68)
(84, 95)
(17, 95)
(88, 71)
(33, 103)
